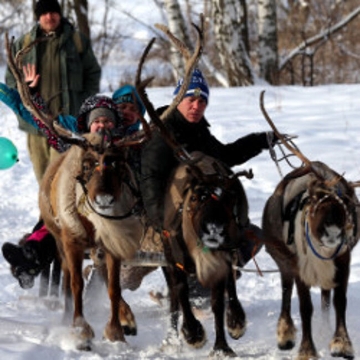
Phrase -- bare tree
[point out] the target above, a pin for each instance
(268, 49)
(81, 10)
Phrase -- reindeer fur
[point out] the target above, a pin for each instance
(317, 188)
(76, 227)
(212, 267)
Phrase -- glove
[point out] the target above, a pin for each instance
(271, 139)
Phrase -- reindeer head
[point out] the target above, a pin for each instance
(330, 212)
(213, 202)
(106, 178)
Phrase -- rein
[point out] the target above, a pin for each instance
(307, 230)
(308, 240)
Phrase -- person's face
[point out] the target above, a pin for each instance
(192, 108)
(130, 113)
(49, 21)
(101, 122)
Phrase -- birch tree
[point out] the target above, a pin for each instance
(268, 49)
(177, 26)
(229, 18)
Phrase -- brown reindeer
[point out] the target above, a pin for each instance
(86, 198)
(89, 196)
(310, 223)
(206, 214)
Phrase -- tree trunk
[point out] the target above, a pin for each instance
(230, 27)
(176, 24)
(81, 11)
(268, 49)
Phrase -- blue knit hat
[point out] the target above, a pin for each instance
(128, 94)
(197, 87)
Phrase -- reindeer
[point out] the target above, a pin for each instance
(310, 224)
(206, 214)
(89, 197)
(206, 218)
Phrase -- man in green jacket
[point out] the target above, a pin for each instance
(68, 69)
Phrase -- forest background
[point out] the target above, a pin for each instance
(281, 42)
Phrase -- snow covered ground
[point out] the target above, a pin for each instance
(326, 120)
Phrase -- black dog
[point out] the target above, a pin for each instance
(31, 257)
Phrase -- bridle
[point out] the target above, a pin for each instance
(211, 193)
(350, 224)
(135, 210)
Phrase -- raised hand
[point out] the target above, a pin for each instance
(30, 76)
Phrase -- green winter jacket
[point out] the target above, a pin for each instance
(80, 71)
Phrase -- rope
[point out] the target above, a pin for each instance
(255, 270)
(273, 155)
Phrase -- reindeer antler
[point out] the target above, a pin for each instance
(191, 62)
(280, 136)
(15, 67)
(310, 164)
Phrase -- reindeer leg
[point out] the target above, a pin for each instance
(307, 349)
(127, 318)
(74, 258)
(172, 335)
(67, 294)
(340, 345)
(285, 327)
(55, 278)
(113, 330)
(191, 328)
(221, 346)
(235, 315)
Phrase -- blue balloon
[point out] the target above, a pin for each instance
(8, 153)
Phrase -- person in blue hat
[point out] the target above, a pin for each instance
(188, 125)
(190, 128)
(131, 107)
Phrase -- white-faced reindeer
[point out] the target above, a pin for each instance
(310, 224)
(206, 212)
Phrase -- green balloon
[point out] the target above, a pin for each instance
(8, 153)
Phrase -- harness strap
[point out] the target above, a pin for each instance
(135, 210)
(290, 213)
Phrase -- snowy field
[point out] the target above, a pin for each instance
(326, 121)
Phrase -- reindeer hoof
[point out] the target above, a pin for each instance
(114, 333)
(340, 347)
(84, 346)
(287, 345)
(236, 329)
(195, 337)
(128, 330)
(82, 330)
(285, 334)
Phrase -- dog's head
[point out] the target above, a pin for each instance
(23, 269)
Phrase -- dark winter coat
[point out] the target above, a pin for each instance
(158, 160)
(80, 72)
